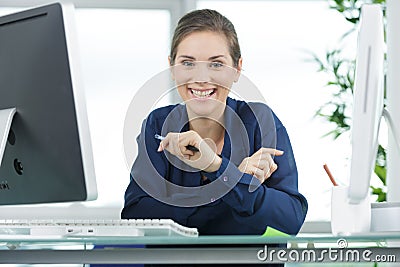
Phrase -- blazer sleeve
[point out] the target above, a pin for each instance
(141, 194)
(276, 202)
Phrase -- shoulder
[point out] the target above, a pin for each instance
(158, 116)
(253, 112)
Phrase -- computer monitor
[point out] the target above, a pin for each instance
(368, 101)
(43, 119)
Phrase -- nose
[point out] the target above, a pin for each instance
(201, 73)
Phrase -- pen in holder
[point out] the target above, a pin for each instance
(347, 217)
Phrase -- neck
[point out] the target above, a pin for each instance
(211, 130)
(207, 128)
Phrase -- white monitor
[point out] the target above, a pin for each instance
(368, 101)
(45, 149)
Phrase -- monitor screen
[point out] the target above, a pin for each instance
(368, 101)
(47, 153)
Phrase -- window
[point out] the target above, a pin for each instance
(120, 50)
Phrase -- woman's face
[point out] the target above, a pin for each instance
(204, 73)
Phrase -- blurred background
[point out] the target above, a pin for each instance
(125, 43)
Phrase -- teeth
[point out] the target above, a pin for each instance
(203, 93)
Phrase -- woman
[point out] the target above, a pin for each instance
(217, 174)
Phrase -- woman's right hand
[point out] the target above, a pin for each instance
(261, 164)
(177, 144)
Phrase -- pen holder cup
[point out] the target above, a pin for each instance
(348, 218)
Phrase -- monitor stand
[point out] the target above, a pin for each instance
(385, 216)
(6, 117)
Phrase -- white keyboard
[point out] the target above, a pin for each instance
(98, 228)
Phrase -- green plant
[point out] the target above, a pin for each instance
(341, 71)
(340, 83)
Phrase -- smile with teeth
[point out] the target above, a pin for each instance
(202, 93)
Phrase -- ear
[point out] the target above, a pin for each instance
(239, 69)
(171, 69)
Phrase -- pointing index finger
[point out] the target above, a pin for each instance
(272, 151)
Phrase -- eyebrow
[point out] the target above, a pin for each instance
(210, 58)
(215, 57)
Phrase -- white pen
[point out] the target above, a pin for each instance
(189, 147)
(159, 137)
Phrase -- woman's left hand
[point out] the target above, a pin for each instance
(261, 164)
(205, 159)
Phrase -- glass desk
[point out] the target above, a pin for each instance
(176, 250)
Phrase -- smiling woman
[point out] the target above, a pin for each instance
(233, 184)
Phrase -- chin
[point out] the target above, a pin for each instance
(212, 109)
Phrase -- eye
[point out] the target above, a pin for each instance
(216, 65)
(188, 63)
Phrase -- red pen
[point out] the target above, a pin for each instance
(330, 175)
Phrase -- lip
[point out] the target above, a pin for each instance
(202, 90)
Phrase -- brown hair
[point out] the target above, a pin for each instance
(206, 20)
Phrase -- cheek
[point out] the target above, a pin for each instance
(182, 91)
(223, 92)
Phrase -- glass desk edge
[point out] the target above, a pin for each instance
(200, 240)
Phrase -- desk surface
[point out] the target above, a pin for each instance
(174, 250)
(201, 240)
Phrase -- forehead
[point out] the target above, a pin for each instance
(203, 44)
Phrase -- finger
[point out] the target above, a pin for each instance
(271, 170)
(181, 147)
(258, 152)
(166, 143)
(271, 151)
(163, 145)
(254, 162)
(263, 164)
(261, 158)
(190, 138)
(274, 167)
(172, 146)
(188, 141)
(177, 144)
(259, 174)
(244, 165)
(184, 151)
(268, 173)
(184, 141)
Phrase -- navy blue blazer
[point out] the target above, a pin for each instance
(237, 204)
